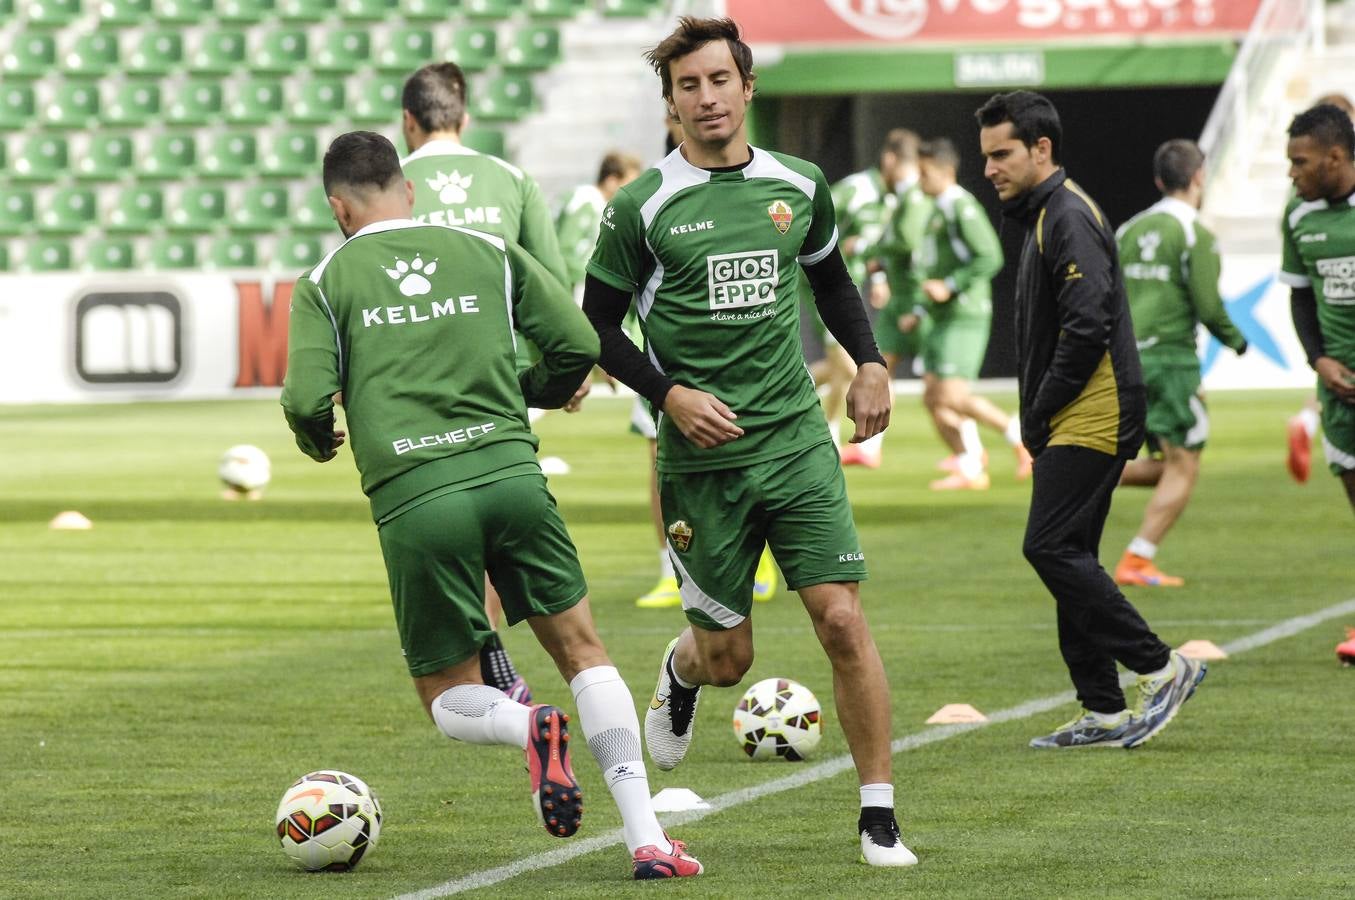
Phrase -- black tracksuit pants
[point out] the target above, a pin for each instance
(1097, 625)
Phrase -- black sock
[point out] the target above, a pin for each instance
(495, 667)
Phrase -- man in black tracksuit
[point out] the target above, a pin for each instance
(1082, 416)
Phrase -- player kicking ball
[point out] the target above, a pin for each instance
(411, 326)
(710, 244)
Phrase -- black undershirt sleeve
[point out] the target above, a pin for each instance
(1303, 307)
(605, 307)
(840, 307)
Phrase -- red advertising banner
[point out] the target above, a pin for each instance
(965, 21)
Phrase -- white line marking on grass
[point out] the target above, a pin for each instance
(840, 764)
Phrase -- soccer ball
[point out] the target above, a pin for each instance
(244, 469)
(327, 820)
(778, 717)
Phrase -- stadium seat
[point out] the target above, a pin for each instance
(124, 13)
(31, 54)
(232, 155)
(93, 55)
(69, 211)
(534, 47)
(281, 51)
(136, 103)
(431, 10)
(53, 13)
(220, 53)
(197, 102)
(292, 154)
(473, 47)
(139, 208)
(182, 12)
(17, 212)
(322, 100)
(109, 157)
(49, 255)
(17, 105)
(554, 9)
(298, 251)
(367, 10)
(262, 208)
(76, 105)
(243, 12)
(486, 140)
(174, 252)
(200, 208)
(43, 158)
(234, 252)
(111, 254)
(156, 53)
(306, 10)
(313, 212)
(172, 155)
(406, 50)
(380, 100)
(259, 101)
(345, 49)
(490, 9)
(504, 98)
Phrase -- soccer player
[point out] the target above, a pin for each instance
(1082, 416)
(1171, 272)
(1319, 266)
(411, 325)
(710, 245)
(953, 266)
(577, 225)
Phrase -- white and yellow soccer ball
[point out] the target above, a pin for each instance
(778, 718)
(328, 820)
(245, 469)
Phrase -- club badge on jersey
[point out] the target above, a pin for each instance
(782, 215)
(681, 533)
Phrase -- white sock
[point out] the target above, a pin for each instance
(970, 465)
(1013, 431)
(607, 716)
(873, 446)
(480, 714)
(1309, 419)
(1139, 547)
(682, 682)
(835, 431)
(1107, 718)
(969, 438)
(534, 414)
(666, 565)
(877, 795)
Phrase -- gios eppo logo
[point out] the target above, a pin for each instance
(1338, 280)
(742, 279)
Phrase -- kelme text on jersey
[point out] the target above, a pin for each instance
(742, 279)
(411, 314)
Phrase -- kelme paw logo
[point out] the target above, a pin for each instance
(451, 188)
(411, 276)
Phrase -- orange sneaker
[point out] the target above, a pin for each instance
(952, 463)
(856, 455)
(1345, 651)
(958, 482)
(1300, 457)
(1135, 570)
(1025, 463)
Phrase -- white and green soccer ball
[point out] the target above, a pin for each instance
(778, 719)
(245, 468)
(328, 820)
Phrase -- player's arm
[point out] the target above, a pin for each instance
(313, 373)
(985, 261)
(1303, 307)
(1202, 285)
(605, 306)
(544, 312)
(536, 232)
(575, 240)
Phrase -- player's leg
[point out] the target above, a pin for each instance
(1180, 471)
(1338, 439)
(495, 667)
(1348, 479)
(1300, 431)
(664, 593)
(838, 378)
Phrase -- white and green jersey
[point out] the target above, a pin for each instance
(1319, 253)
(1171, 271)
(903, 233)
(455, 185)
(960, 247)
(713, 259)
(863, 204)
(577, 229)
(414, 324)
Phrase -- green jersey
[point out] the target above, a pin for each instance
(455, 185)
(960, 247)
(414, 324)
(1171, 272)
(1319, 253)
(713, 260)
(577, 229)
(863, 204)
(901, 239)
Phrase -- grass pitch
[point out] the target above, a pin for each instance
(166, 675)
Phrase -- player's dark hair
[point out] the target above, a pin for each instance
(436, 97)
(1340, 101)
(1032, 117)
(618, 165)
(361, 160)
(901, 142)
(940, 150)
(1175, 164)
(1326, 124)
(692, 34)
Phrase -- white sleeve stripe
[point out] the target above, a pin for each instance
(508, 302)
(338, 345)
(1294, 281)
(810, 259)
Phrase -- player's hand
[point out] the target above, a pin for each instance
(335, 445)
(936, 290)
(879, 294)
(848, 245)
(908, 322)
(701, 417)
(869, 399)
(1338, 379)
(576, 402)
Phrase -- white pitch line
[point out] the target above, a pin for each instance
(839, 764)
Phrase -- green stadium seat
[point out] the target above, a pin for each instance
(123, 13)
(174, 252)
(243, 12)
(486, 140)
(313, 212)
(200, 208)
(367, 10)
(503, 99)
(554, 9)
(182, 12)
(157, 53)
(31, 55)
(281, 51)
(70, 211)
(49, 255)
(430, 10)
(292, 154)
(110, 156)
(93, 55)
(491, 9)
(263, 208)
(380, 100)
(43, 158)
(220, 53)
(306, 10)
(136, 103)
(345, 49)
(53, 13)
(473, 47)
(111, 254)
(406, 50)
(534, 47)
(259, 101)
(234, 252)
(197, 102)
(629, 8)
(17, 105)
(232, 155)
(298, 251)
(76, 105)
(17, 210)
(322, 100)
(139, 208)
(173, 155)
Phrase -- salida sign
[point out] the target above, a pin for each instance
(873, 21)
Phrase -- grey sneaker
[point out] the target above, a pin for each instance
(1087, 730)
(1161, 697)
(668, 721)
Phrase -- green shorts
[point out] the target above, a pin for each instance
(1176, 411)
(954, 348)
(437, 554)
(1338, 431)
(718, 522)
(900, 343)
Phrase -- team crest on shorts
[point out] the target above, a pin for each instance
(782, 215)
(681, 533)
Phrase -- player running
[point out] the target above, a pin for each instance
(411, 326)
(709, 244)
